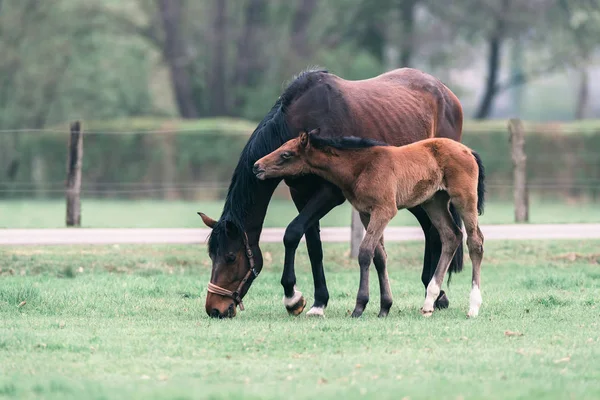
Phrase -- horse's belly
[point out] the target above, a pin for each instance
(416, 195)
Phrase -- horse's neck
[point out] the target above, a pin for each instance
(344, 169)
(255, 216)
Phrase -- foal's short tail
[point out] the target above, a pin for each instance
(480, 184)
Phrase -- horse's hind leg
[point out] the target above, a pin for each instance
(379, 220)
(475, 244)
(379, 259)
(433, 249)
(451, 237)
(468, 209)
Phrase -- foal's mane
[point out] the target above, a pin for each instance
(270, 133)
(344, 143)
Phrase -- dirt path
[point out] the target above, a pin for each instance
(183, 236)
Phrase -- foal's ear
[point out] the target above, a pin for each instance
(208, 221)
(303, 139)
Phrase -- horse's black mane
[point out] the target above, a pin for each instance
(344, 143)
(271, 133)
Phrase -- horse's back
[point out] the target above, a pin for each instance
(453, 157)
(403, 105)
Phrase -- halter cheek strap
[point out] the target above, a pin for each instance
(212, 288)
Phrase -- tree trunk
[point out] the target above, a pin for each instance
(176, 57)
(407, 18)
(217, 82)
(300, 24)
(517, 69)
(391, 53)
(583, 94)
(249, 61)
(493, 68)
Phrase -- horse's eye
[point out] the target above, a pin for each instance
(230, 257)
(286, 155)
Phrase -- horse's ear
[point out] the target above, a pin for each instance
(303, 139)
(232, 230)
(208, 221)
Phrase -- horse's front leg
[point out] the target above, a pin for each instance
(312, 206)
(377, 223)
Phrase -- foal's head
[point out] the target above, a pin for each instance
(294, 157)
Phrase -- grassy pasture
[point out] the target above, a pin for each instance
(128, 322)
(182, 214)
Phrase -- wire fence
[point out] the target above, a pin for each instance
(175, 164)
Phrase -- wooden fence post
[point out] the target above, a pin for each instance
(519, 159)
(74, 162)
(356, 233)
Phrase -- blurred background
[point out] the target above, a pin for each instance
(168, 92)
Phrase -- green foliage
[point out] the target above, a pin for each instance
(561, 158)
(96, 59)
(60, 63)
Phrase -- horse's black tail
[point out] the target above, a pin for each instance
(480, 184)
(456, 265)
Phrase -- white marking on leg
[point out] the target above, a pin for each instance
(433, 291)
(475, 301)
(291, 301)
(316, 312)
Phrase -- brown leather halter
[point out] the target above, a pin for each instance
(212, 288)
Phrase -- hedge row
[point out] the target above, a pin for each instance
(562, 158)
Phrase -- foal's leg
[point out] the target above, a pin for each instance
(378, 221)
(433, 249)
(379, 259)
(451, 237)
(468, 209)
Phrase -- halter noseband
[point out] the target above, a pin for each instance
(212, 288)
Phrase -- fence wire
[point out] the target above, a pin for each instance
(156, 187)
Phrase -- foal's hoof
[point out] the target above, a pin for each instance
(473, 313)
(426, 313)
(383, 313)
(295, 304)
(442, 301)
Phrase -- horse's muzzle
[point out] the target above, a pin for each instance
(258, 171)
(229, 313)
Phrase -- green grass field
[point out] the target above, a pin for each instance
(128, 322)
(178, 214)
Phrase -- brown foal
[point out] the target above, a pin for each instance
(379, 180)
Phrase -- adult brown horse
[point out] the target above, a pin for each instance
(398, 107)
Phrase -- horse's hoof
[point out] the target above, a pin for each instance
(316, 312)
(296, 308)
(442, 301)
(383, 313)
(472, 313)
(295, 304)
(356, 313)
(426, 313)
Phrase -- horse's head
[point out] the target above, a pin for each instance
(288, 160)
(233, 267)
